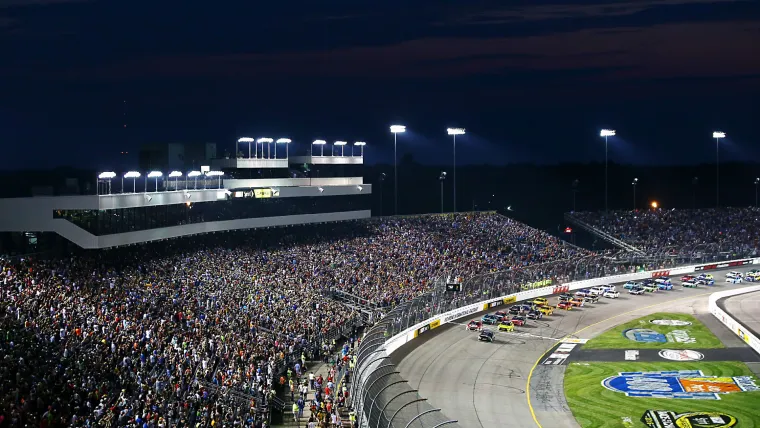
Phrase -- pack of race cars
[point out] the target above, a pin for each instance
(520, 314)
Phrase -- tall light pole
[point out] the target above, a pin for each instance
(134, 175)
(342, 145)
(454, 132)
(321, 144)
(606, 133)
(717, 136)
(266, 141)
(442, 178)
(285, 141)
(361, 145)
(757, 181)
(248, 140)
(635, 180)
(396, 129)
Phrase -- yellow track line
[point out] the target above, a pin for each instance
(530, 375)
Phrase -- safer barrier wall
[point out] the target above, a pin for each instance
(738, 328)
(381, 396)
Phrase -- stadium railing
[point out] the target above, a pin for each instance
(382, 398)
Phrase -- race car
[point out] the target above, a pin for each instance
(546, 309)
(502, 315)
(751, 278)
(650, 288)
(506, 326)
(518, 321)
(591, 299)
(734, 274)
(583, 293)
(597, 291)
(705, 281)
(662, 280)
(631, 284)
(692, 283)
(609, 287)
(565, 305)
(474, 325)
(648, 281)
(665, 286)
(636, 290)
(576, 302)
(486, 335)
(535, 315)
(705, 276)
(489, 319)
(565, 297)
(687, 278)
(514, 310)
(754, 272)
(734, 280)
(611, 294)
(538, 301)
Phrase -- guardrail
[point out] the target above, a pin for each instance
(379, 394)
(735, 326)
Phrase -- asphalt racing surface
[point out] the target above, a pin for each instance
(745, 308)
(484, 385)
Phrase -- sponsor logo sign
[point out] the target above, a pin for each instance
(434, 324)
(723, 265)
(660, 273)
(578, 341)
(421, 330)
(644, 335)
(681, 355)
(632, 355)
(537, 284)
(510, 299)
(680, 336)
(685, 384)
(460, 313)
(668, 419)
(678, 323)
(561, 289)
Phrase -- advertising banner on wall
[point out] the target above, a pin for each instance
(713, 266)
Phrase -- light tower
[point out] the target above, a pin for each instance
(396, 129)
(285, 141)
(717, 135)
(321, 144)
(248, 140)
(361, 145)
(342, 145)
(454, 132)
(606, 133)
(635, 181)
(268, 142)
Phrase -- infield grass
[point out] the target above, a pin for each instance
(614, 338)
(595, 406)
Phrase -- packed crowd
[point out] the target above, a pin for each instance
(727, 230)
(196, 331)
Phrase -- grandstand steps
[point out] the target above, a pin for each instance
(570, 218)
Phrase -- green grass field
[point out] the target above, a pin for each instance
(595, 406)
(614, 339)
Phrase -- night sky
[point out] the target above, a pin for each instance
(532, 81)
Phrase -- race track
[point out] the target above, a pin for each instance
(745, 308)
(484, 385)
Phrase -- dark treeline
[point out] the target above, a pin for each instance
(537, 194)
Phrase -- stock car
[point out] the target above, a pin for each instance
(631, 285)
(650, 288)
(518, 321)
(526, 308)
(734, 280)
(609, 287)
(665, 286)
(734, 274)
(538, 301)
(583, 293)
(506, 326)
(597, 291)
(566, 297)
(692, 283)
(705, 276)
(514, 310)
(611, 294)
(564, 305)
(648, 281)
(502, 315)
(663, 280)
(751, 277)
(576, 302)
(591, 299)
(705, 281)
(535, 314)
(474, 325)
(636, 290)
(489, 319)
(486, 335)
(687, 278)
(546, 309)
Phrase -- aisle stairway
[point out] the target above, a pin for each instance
(570, 218)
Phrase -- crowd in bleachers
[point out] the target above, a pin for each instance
(726, 230)
(162, 334)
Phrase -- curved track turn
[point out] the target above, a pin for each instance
(485, 385)
(745, 308)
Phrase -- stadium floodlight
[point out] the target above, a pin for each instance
(717, 135)
(454, 132)
(606, 133)
(267, 141)
(106, 176)
(757, 181)
(194, 175)
(321, 144)
(153, 174)
(175, 175)
(342, 145)
(361, 145)
(633, 183)
(442, 178)
(248, 140)
(219, 174)
(396, 129)
(285, 141)
(134, 175)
